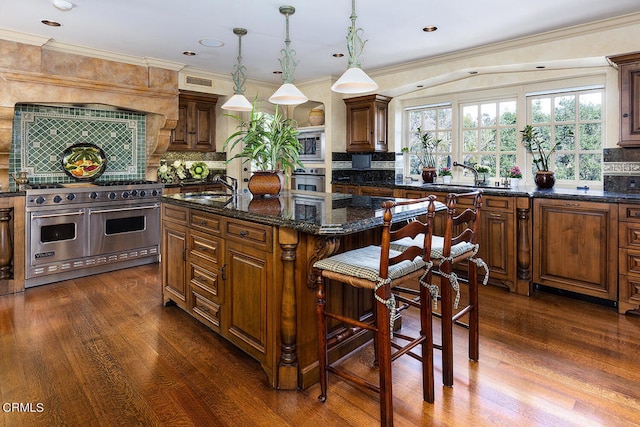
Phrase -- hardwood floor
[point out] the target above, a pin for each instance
(102, 350)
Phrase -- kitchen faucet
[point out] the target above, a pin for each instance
(476, 179)
(222, 179)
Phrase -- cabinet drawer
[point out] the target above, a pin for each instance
(629, 289)
(205, 310)
(257, 235)
(629, 235)
(205, 249)
(174, 213)
(206, 281)
(629, 212)
(629, 262)
(205, 221)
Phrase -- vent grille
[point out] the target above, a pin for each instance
(199, 81)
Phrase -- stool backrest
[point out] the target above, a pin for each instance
(411, 230)
(462, 224)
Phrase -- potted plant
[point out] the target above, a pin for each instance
(270, 144)
(446, 175)
(425, 151)
(482, 173)
(514, 174)
(541, 149)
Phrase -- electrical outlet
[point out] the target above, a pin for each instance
(632, 184)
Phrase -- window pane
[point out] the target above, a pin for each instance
(590, 136)
(489, 160)
(444, 118)
(429, 120)
(470, 140)
(445, 145)
(565, 108)
(470, 116)
(488, 114)
(508, 113)
(508, 139)
(590, 167)
(591, 106)
(488, 142)
(565, 136)
(564, 166)
(507, 161)
(541, 110)
(414, 120)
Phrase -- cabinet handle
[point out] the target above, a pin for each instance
(496, 215)
(184, 254)
(203, 222)
(636, 214)
(572, 204)
(224, 272)
(243, 233)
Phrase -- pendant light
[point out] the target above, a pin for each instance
(354, 80)
(288, 94)
(238, 102)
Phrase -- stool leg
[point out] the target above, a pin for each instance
(426, 330)
(474, 333)
(447, 327)
(322, 338)
(383, 332)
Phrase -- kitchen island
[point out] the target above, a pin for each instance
(243, 267)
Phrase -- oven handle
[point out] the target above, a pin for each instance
(137, 208)
(58, 214)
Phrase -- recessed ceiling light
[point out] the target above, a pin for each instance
(63, 4)
(473, 72)
(50, 23)
(338, 55)
(189, 53)
(420, 86)
(277, 72)
(541, 67)
(430, 29)
(211, 43)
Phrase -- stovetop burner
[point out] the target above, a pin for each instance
(131, 182)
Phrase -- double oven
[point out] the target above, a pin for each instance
(73, 232)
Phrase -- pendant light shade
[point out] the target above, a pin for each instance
(354, 80)
(238, 102)
(288, 94)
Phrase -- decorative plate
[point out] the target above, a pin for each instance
(84, 161)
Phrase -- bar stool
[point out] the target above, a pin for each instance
(458, 245)
(379, 269)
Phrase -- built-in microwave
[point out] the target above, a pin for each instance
(311, 145)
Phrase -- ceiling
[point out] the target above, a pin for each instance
(163, 29)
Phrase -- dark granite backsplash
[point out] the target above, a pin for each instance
(621, 170)
(382, 168)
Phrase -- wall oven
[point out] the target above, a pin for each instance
(308, 179)
(312, 145)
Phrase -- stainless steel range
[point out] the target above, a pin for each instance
(75, 231)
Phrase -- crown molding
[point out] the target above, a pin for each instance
(25, 38)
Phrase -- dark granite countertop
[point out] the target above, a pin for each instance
(520, 191)
(309, 212)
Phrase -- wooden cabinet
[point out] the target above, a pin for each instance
(376, 191)
(629, 87)
(629, 258)
(576, 247)
(367, 123)
(345, 188)
(175, 235)
(196, 126)
(250, 285)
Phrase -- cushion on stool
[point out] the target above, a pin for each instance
(364, 263)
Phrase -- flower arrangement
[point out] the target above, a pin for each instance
(169, 172)
(445, 171)
(424, 149)
(514, 172)
(482, 169)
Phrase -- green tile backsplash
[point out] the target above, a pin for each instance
(42, 133)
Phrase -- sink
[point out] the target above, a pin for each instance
(453, 184)
(208, 196)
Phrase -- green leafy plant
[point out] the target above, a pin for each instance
(268, 142)
(424, 149)
(483, 169)
(539, 146)
(445, 172)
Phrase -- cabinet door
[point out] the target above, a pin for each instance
(367, 123)
(203, 126)
(629, 108)
(195, 130)
(179, 136)
(497, 245)
(174, 275)
(248, 274)
(575, 247)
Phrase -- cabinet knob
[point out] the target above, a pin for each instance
(625, 115)
(243, 233)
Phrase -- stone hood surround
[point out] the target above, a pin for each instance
(37, 75)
